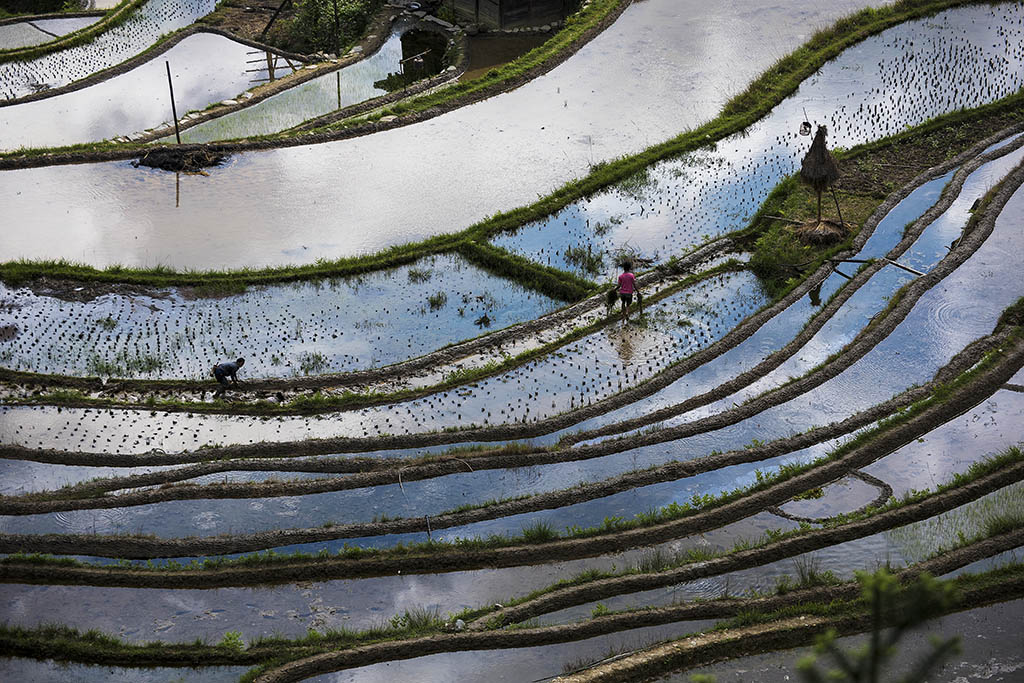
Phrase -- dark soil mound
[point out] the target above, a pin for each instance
(177, 159)
(825, 231)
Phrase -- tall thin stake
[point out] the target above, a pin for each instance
(337, 31)
(174, 110)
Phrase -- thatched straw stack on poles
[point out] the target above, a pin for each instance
(820, 171)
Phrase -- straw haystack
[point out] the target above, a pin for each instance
(820, 171)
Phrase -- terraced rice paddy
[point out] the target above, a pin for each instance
(434, 471)
(349, 85)
(38, 31)
(152, 20)
(207, 69)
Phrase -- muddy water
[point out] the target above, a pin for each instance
(38, 31)
(111, 47)
(601, 103)
(206, 68)
(991, 651)
(297, 329)
(317, 97)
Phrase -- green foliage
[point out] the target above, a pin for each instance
(810, 494)
(779, 255)
(232, 640)
(437, 301)
(901, 609)
(420, 275)
(417, 620)
(585, 258)
(312, 363)
(330, 25)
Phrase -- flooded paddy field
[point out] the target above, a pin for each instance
(445, 167)
(332, 91)
(306, 328)
(724, 186)
(727, 453)
(152, 20)
(991, 657)
(206, 68)
(38, 31)
(676, 204)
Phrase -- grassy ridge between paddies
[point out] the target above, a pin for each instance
(534, 545)
(68, 644)
(745, 109)
(115, 17)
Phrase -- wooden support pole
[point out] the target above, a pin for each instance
(903, 267)
(174, 110)
(838, 211)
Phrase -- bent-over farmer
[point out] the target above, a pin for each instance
(224, 370)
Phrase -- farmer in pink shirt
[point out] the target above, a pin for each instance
(627, 287)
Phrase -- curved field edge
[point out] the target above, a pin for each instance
(758, 99)
(786, 628)
(978, 229)
(946, 402)
(965, 127)
(579, 29)
(7, 19)
(111, 18)
(317, 402)
(344, 648)
(813, 616)
(369, 472)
